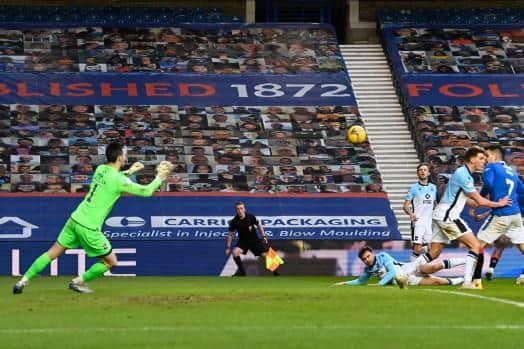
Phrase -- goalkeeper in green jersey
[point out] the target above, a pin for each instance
(83, 228)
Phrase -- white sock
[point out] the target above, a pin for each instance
(78, 280)
(471, 262)
(453, 262)
(456, 281)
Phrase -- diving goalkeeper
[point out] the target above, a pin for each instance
(83, 228)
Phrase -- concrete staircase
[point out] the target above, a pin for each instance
(387, 128)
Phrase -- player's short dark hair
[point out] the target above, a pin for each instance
(113, 151)
(364, 250)
(423, 164)
(472, 152)
(238, 203)
(496, 148)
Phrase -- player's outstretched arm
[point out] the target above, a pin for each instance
(136, 167)
(162, 172)
(133, 188)
(362, 279)
(475, 195)
(341, 283)
(390, 275)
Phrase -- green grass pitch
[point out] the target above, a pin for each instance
(255, 312)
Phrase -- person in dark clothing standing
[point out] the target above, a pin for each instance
(246, 225)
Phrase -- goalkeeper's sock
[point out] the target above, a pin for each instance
(239, 264)
(453, 262)
(36, 268)
(96, 271)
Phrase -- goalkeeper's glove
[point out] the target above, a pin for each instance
(163, 169)
(137, 166)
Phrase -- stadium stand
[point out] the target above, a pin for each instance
(212, 49)
(443, 133)
(216, 148)
(451, 50)
(479, 44)
(125, 15)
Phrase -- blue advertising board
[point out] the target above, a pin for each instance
(202, 217)
(181, 258)
(184, 234)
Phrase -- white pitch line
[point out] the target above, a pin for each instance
(17, 331)
(492, 299)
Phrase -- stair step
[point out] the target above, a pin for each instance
(370, 74)
(366, 105)
(391, 148)
(352, 67)
(397, 131)
(386, 116)
(404, 170)
(384, 119)
(386, 149)
(367, 96)
(361, 83)
(374, 90)
(384, 112)
(375, 78)
(391, 142)
(407, 167)
(397, 186)
(375, 99)
(359, 45)
(357, 63)
(372, 109)
(354, 50)
(383, 124)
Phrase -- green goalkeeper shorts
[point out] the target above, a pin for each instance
(74, 235)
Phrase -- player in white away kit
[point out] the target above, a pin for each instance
(419, 204)
(447, 224)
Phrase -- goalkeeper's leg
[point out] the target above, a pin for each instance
(38, 265)
(94, 272)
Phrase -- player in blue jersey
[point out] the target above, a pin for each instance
(447, 224)
(387, 269)
(418, 205)
(500, 180)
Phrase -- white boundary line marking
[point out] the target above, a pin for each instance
(492, 299)
(17, 331)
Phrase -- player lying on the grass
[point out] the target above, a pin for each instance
(389, 270)
(83, 228)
